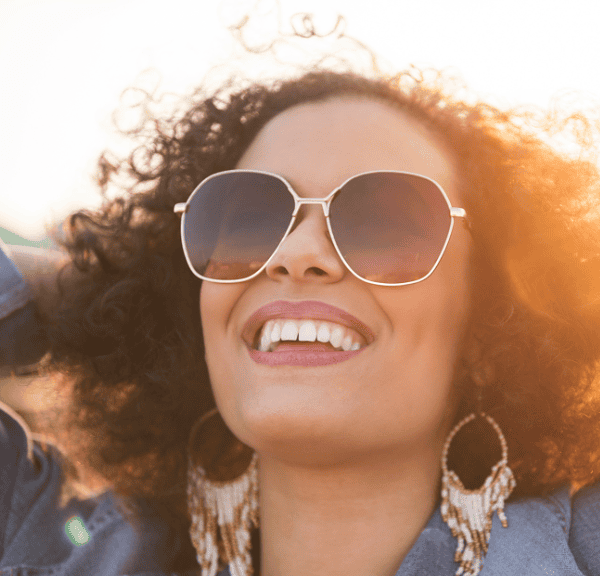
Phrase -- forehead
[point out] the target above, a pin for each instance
(317, 146)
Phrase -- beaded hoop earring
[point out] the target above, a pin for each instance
(222, 514)
(468, 513)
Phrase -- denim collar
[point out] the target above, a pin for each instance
(535, 542)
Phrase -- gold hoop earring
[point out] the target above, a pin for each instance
(468, 513)
(222, 514)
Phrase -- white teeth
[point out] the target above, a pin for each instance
(323, 334)
(347, 343)
(276, 334)
(337, 335)
(308, 332)
(265, 342)
(265, 339)
(289, 331)
(275, 331)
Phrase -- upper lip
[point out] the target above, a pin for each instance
(311, 309)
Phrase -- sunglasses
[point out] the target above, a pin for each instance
(389, 228)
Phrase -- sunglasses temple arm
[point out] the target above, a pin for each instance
(460, 213)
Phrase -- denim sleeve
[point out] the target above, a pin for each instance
(584, 536)
(42, 534)
(23, 339)
(14, 291)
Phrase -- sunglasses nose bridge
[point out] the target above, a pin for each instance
(325, 204)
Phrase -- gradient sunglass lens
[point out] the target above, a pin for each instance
(390, 227)
(234, 223)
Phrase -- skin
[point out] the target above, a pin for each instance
(350, 452)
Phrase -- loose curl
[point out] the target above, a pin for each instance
(127, 336)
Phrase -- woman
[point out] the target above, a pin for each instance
(341, 384)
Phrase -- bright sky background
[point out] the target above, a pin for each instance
(64, 64)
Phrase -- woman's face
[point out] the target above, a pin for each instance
(396, 395)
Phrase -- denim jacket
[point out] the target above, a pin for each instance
(22, 339)
(556, 535)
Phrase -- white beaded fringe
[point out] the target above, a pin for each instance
(468, 513)
(230, 508)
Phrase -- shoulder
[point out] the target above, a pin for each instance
(584, 534)
(82, 536)
(558, 533)
(555, 534)
(578, 514)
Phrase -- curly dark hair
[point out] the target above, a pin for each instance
(127, 337)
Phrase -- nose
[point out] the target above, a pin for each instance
(307, 254)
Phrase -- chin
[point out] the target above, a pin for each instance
(291, 426)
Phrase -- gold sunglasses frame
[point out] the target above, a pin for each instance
(182, 207)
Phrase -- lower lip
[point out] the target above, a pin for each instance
(301, 356)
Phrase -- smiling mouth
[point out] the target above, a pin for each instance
(307, 335)
(298, 353)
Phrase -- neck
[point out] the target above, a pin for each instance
(355, 519)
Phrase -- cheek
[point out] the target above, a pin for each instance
(223, 345)
(208, 313)
(216, 305)
(428, 325)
